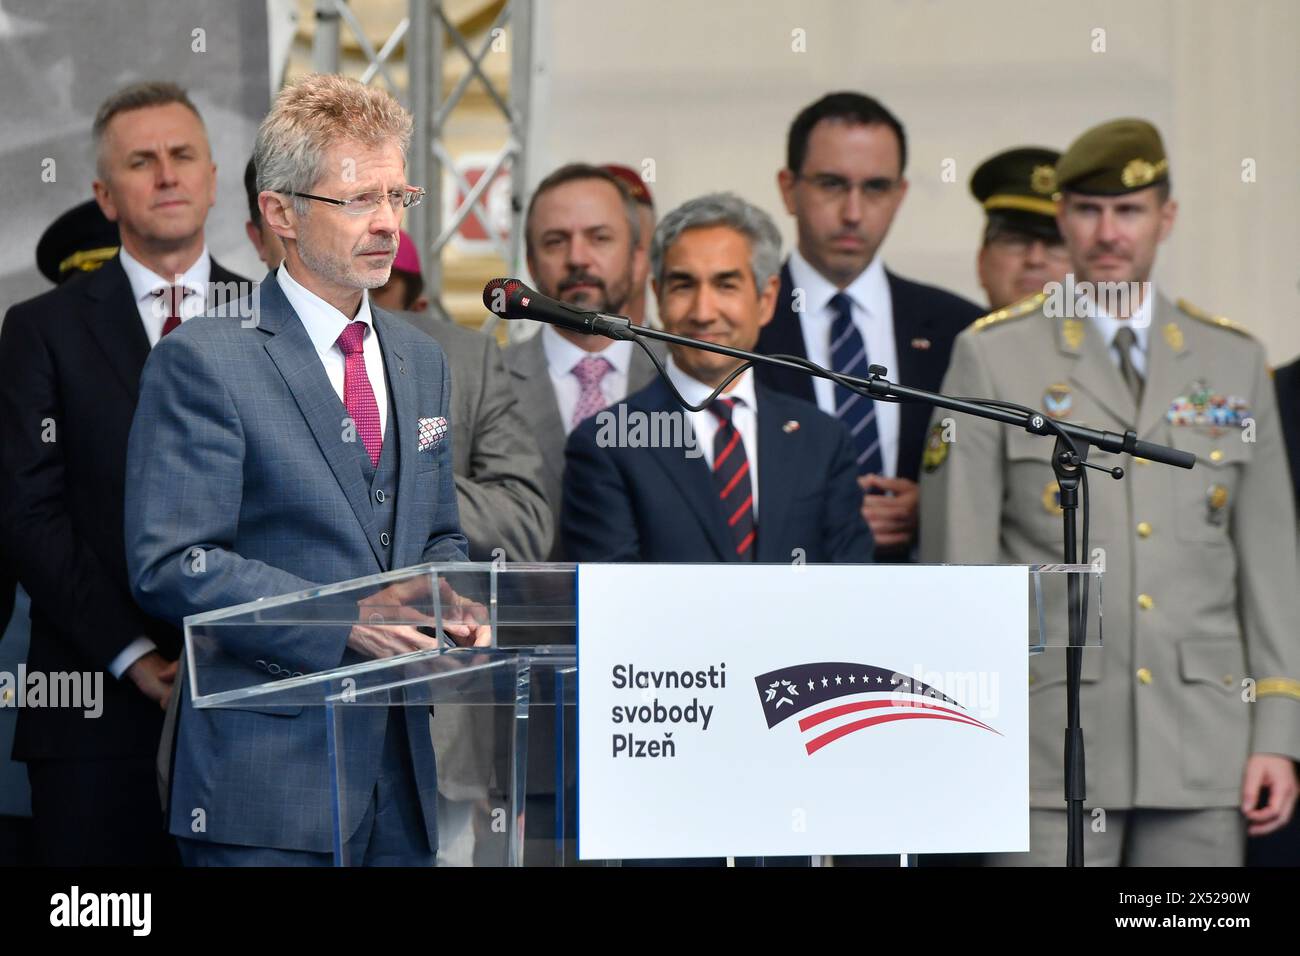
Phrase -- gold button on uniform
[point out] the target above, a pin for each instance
(1227, 680)
(1216, 455)
(1144, 675)
(1145, 602)
(1144, 529)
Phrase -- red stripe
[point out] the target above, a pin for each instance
(817, 743)
(748, 505)
(840, 710)
(744, 470)
(744, 545)
(726, 451)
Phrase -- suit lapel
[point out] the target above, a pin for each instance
(778, 472)
(538, 395)
(1094, 371)
(912, 327)
(402, 427)
(784, 336)
(291, 349)
(114, 323)
(693, 480)
(1165, 378)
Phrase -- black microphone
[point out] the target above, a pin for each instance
(511, 299)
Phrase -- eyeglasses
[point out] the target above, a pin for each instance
(834, 188)
(367, 204)
(1020, 244)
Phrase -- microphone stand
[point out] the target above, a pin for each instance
(1069, 459)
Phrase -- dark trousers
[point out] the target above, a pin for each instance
(98, 813)
(391, 832)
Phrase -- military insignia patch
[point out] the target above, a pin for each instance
(1043, 180)
(1072, 332)
(1052, 499)
(1058, 400)
(1216, 504)
(936, 449)
(1140, 172)
(1174, 336)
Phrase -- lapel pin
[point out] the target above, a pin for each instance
(790, 426)
(920, 343)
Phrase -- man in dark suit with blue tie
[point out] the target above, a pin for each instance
(307, 446)
(757, 475)
(839, 306)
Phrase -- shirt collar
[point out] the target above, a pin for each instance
(144, 281)
(323, 322)
(562, 355)
(695, 391)
(1139, 322)
(869, 290)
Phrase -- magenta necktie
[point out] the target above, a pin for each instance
(589, 371)
(358, 396)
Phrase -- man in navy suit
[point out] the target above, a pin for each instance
(70, 363)
(839, 306)
(307, 446)
(757, 475)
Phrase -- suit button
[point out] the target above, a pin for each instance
(1145, 602)
(383, 538)
(1144, 675)
(1144, 529)
(379, 495)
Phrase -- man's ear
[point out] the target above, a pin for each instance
(785, 183)
(1168, 214)
(105, 199)
(278, 214)
(421, 303)
(767, 300)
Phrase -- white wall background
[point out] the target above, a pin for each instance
(707, 90)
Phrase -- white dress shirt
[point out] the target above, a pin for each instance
(154, 309)
(324, 324)
(562, 355)
(1139, 322)
(873, 314)
(705, 424)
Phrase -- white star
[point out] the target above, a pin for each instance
(837, 679)
(810, 685)
(880, 680)
(851, 678)
(824, 681)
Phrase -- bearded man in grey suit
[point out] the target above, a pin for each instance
(583, 239)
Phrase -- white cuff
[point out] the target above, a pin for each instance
(129, 655)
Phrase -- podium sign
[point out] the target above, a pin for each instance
(741, 710)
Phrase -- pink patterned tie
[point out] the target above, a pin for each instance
(358, 396)
(589, 371)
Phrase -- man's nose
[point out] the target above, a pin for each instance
(852, 207)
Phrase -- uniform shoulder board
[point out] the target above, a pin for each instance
(1014, 311)
(1217, 320)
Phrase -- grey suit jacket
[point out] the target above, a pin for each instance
(498, 466)
(532, 380)
(237, 451)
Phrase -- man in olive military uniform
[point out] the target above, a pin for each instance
(1191, 712)
(1022, 249)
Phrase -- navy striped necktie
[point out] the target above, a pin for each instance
(731, 479)
(856, 411)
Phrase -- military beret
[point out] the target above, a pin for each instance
(632, 182)
(1015, 188)
(1118, 157)
(80, 240)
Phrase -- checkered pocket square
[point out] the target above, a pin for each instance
(431, 431)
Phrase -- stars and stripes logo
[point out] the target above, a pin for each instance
(833, 699)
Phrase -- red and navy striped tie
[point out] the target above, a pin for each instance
(731, 479)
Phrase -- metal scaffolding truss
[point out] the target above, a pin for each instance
(427, 31)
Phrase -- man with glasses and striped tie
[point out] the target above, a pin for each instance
(839, 306)
(757, 476)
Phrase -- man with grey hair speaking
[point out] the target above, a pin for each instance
(714, 267)
(308, 446)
